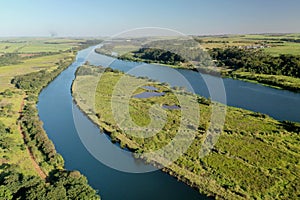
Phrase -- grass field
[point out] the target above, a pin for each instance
(28, 66)
(42, 45)
(286, 48)
(11, 47)
(256, 157)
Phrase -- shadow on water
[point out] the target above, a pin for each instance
(146, 95)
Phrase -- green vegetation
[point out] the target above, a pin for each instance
(256, 157)
(281, 71)
(285, 48)
(159, 56)
(277, 81)
(60, 185)
(257, 62)
(18, 51)
(34, 45)
(268, 59)
(273, 44)
(9, 59)
(178, 53)
(30, 167)
(49, 62)
(34, 135)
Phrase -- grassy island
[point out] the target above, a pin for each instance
(255, 156)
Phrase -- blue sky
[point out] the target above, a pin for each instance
(109, 17)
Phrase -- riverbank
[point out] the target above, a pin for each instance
(235, 169)
(35, 159)
(275, 81)
(12, 98)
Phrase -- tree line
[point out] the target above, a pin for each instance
(257, 61)
(10, 59)
(159, 55)
(61, 185)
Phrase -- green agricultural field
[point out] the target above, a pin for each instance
(29, 65)
(273, 44)
(40, 47)
(256, 157)
(11, 47)
(285, 48)
(37, 45)
(225, 41)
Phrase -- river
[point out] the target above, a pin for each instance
(56, 110)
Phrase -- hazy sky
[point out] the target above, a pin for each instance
(108, 17)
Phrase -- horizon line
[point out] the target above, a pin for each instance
(99, 36)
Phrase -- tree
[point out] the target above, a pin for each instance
(5, 193)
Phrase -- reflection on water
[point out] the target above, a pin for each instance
(145, 95)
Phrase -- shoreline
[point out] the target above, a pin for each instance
(60, 69)
(218, 73)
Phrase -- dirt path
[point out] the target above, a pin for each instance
(36, 166)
